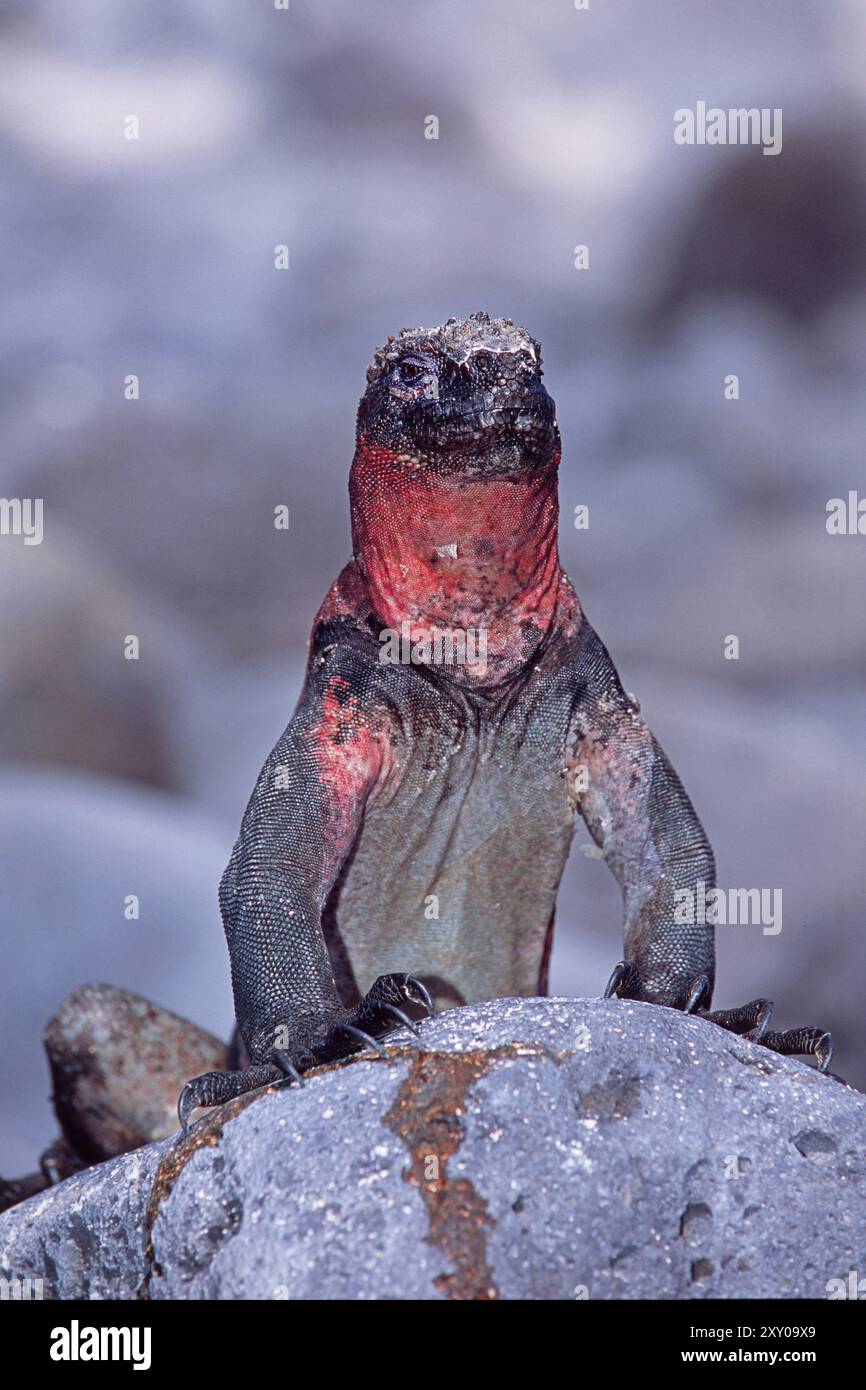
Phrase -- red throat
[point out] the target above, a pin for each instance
(472, 555)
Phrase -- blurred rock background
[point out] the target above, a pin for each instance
(155, 257)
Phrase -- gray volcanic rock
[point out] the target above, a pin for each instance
(83, 1239)
(551, 1149)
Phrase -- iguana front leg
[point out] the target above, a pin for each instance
(299, 827)
(638, 813)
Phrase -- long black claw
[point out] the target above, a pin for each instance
(364, 1038)
(186, 1102)
(287, 1066)
(50, 1168)
(700, 988)
(763, 1019)
(624, 981)
(402, 1018)
(824, 1052)
(424, 993)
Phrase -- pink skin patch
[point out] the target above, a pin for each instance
(353, 760)
(465, 554)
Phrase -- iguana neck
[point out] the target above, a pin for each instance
(440, 550)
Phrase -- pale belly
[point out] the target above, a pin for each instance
(455, 872)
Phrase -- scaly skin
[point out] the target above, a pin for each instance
(417, 817)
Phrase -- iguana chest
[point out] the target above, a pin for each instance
(455, 871)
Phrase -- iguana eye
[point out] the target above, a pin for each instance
(410, 372)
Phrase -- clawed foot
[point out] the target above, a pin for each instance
(750, 1020)
(219, 1087)
(382, 1009)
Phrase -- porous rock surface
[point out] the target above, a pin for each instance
(531, 1148)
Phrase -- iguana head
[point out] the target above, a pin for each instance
(466, 397)
(453, 489)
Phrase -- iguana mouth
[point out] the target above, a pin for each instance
(503, 438)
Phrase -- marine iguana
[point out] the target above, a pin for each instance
(417, 813)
